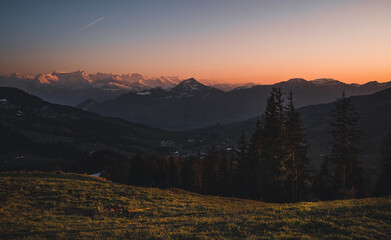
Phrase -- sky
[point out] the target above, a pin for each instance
(221, 40)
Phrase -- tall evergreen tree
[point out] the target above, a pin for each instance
(251, 168)
(240, 167)
(209, 173)
(196, 168)
(383, 186)
(344, 149)
(223, 174)
(296, 168)
(323, 187)
(272, 154)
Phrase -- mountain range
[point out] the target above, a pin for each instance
(192, 104)
(71, 88)
(42, 135)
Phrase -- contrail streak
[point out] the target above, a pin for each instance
(89, 25)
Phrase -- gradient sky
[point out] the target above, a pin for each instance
(229, 41)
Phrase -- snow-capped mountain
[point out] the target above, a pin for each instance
(105, 81)
(144, 99)
(228, 86)
(74, 87)
(191, 87)
(71, 80)
(326, 81)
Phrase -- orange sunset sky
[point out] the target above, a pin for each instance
(226, 41)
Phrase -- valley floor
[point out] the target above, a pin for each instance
(36, 205)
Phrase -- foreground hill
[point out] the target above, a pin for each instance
(70, 206)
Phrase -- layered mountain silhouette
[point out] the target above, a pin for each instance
(36, 134)
(193, 105)
(40, 135)
(374, 113)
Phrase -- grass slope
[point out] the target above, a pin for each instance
(70, 206)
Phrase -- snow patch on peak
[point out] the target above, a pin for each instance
(20, 76)
(46, 78)
(143, 93)
(77, 79)
(190, 85)
(297, 80)
(57, 72)
(325, 81)
(134, 77)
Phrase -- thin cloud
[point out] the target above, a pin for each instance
(87, 26)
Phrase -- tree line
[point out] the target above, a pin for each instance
(271, 165)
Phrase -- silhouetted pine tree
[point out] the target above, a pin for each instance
(383, 186)
(252, 168)
(209, 173)
(196, 177)
(324, 182)
(272, 167)
(298, 180)
(344, 149)
(240, 167)
(187, 174)
(175, 172)
(224, 180)
(230, 177)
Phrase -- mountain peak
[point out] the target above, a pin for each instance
(58, 72)
(18, 76)
(371, 83)
(297, 80)
(326, 81)
(191, 85)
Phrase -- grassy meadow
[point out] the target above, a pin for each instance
(37, 205)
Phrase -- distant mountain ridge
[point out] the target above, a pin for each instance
(191, 104)
(72, 88)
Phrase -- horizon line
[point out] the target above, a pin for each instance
(211, 81)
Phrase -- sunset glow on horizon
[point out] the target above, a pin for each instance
(227, 41)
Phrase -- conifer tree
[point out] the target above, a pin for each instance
(252, 167)
(383, 184)
(196, 168)
(223, 174)
(344, 149)
(323, 186)
(240, 167)
(272, 154)
(296, 168)
(209, 173)
(240, 152)
(230, 178)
